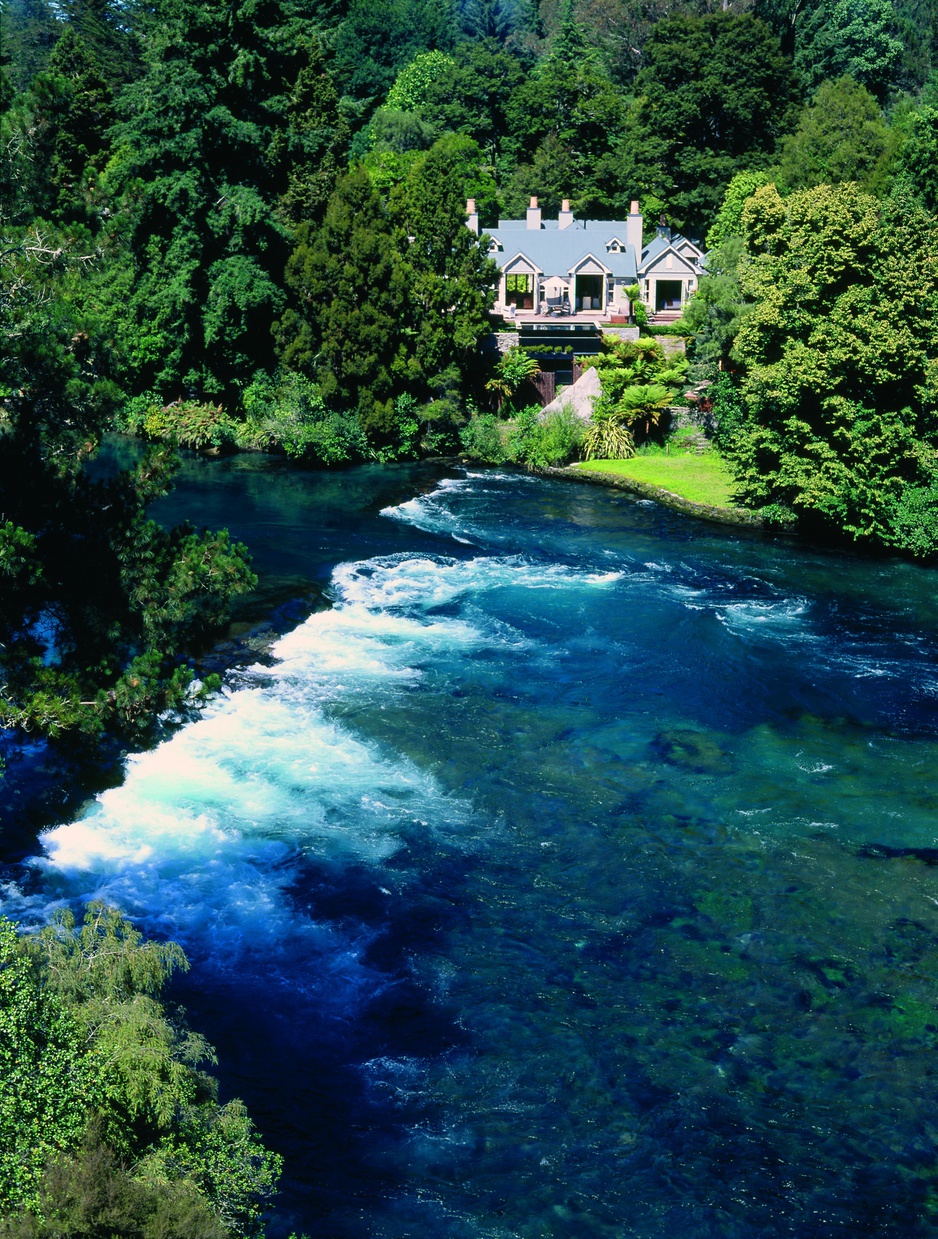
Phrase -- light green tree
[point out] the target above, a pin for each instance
(108, 1125)
(47, 1085)
(729, 218)
(838, 378)
(413, 83)
(716, 310)
(841, 136)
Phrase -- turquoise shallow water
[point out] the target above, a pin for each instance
(573, 875)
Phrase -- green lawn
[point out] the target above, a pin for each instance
(702, 479)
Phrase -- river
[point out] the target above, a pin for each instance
(572, 875)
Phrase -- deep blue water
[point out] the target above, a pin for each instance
(572, 875)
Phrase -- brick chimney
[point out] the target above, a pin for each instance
(633, 230)
(534, 214)
(565, 215)
(473, 221)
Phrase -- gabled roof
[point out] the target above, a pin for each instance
(591, 258)
(657, 248)
(526, 257)
(557, 251)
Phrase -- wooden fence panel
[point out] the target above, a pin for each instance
(546, 383)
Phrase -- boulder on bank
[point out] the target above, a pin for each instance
(579, 397)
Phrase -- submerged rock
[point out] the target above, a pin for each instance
(694, 750)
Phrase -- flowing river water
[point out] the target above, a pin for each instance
(573, 875)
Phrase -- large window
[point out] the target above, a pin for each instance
(519, 289)
(589, 292)
(668, 295)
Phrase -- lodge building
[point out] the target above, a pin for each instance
(579, 269)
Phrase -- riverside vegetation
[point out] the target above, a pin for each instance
(241, 225)
(109, 1124)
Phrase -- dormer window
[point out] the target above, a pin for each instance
(496, 247)
(614, 246)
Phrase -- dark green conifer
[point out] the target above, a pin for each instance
(350, 290)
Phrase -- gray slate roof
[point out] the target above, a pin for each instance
(659, 245)
(556, 251)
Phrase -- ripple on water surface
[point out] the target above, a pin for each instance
(572, 876)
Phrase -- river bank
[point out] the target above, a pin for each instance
(645, 490)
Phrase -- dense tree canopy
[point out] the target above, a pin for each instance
(241, 223)
(248, 284)
(428, 285)
(564, 114)
(98, 601)
(199, 187)
(838, 366)
(841, 136)
(350, 341)
(30, 31)
(713, 98)
(919, 159)
(849, 37)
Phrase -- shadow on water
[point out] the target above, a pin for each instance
(338, 1078)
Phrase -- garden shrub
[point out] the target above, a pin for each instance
(544, 442)
(483, 439)
(286, 413)
(190, 424)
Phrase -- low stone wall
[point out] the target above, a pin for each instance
(671, 344)
(624, 333)
(504, 340)
(691, 415)
(723, 516)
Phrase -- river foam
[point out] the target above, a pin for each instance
(206, 834)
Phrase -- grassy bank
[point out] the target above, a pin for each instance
(701, 479)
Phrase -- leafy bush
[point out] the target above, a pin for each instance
(544, 442)
(186, 422)
(514, 371)
(441, 420)
(916, 520)
(286, 413)
(727, 410)
(404, 432)
(92, 1193)
(483, 439)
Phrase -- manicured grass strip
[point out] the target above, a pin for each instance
(701, 479)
